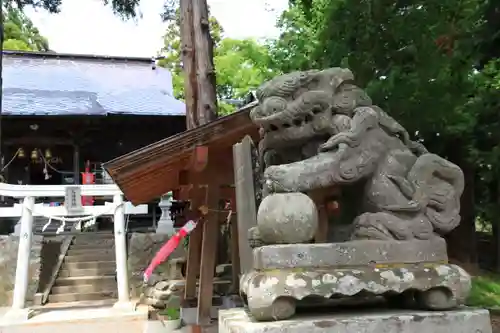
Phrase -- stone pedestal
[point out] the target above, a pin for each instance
(413, 274)
(458, 321)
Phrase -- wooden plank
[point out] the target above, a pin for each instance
(245, 199)
(209, 246)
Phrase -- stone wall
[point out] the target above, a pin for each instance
(8, 260)
(141, 249)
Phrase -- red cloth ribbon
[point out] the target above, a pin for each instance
(169, 247)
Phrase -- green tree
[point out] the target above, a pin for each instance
(240, 65)
(20, 33)
(298, 41)
(125, 8)
(418, 62)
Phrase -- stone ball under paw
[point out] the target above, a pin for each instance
(287, 218)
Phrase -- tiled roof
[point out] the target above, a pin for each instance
(35, 84)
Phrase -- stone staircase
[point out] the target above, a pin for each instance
(88, 270)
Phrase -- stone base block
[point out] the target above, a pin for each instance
(275, 294)
(354, 253)
(459, 321)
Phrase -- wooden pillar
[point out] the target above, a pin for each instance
(194, 246)
(208, 255)
(201, 104)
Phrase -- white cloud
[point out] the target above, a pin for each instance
(87, 27)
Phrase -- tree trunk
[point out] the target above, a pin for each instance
(207, 98)
(462, 243)
(188, 63)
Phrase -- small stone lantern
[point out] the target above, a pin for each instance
(165, 224)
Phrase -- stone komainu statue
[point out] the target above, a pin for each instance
(319, 129)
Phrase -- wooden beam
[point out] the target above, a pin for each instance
(38, 141)
(199, 159)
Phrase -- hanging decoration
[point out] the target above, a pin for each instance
(169, 247)
(34, 154)
(88, 178)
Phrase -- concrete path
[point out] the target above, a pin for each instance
(83, 320)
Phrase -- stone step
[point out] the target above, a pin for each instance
(75, 305)
(103, 251)
(77, 297)
(101, 271)
(92, 246)
(98, 242)
(95, 235)
(96, 256)
(88, 265)
(84, 288)
(81, 280)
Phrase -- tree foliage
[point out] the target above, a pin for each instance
(433, 65)
(240, 65)
(124, 8)
(20, 33)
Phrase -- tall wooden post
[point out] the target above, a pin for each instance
(201, 105)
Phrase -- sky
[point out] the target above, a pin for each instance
(88, 27)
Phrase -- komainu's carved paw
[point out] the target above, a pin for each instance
(274, 177)
(335, 141)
